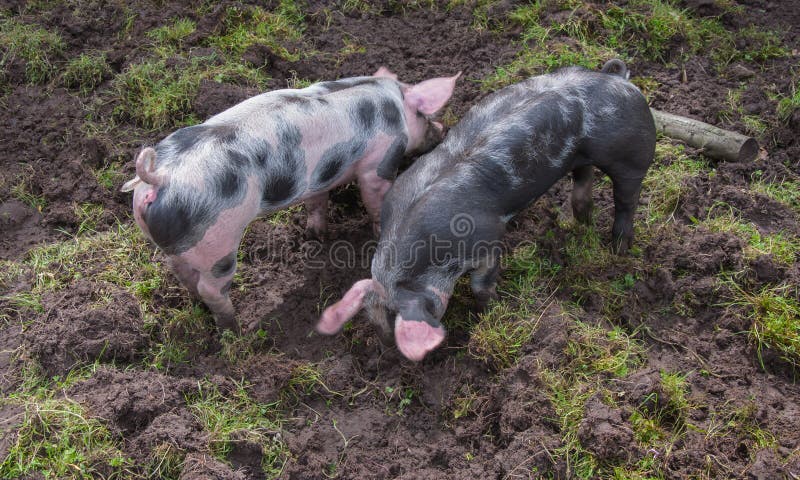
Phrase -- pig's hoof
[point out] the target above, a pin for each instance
(228, 323)
(482, 300)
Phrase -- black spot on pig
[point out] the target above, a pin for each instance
(393, 158)
(177, 220)
(224, 266)
(284, 169)
(391, 114)
(335, 161)
(229, 183)
(279, 188)
(184, 139)
(365, 115)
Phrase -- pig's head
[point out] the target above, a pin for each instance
(416, 313)
(420, 103)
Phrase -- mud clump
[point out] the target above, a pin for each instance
(68, 334)
(205, 467)
(130, 400)
(606, 434)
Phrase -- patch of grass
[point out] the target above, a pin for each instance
(539, 60)
(594, 350)
(235, 416)
(735, 111)
(236, 348)
(775, 313)
(781, 245)
(89, 215)
(284, 217)
(665, 183)
(85, 72)
(22, 192)
(157, 96)
(56, 438)
(119, 256)
(789, 104)
(172, 35)
(761, 45)
(109, 175)
(740, 423)
(175, 332)
(649, 28)
(786, 192)
(36, 46)
(507, 326)
(245, 26)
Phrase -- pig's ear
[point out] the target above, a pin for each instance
(384, 72)
(416, 331)
(335, 316)
(430, 96)
(146, 165)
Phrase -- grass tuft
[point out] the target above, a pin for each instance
(85, 72)
(774, 312)
(55, 438)
(37, 47)
(237, 417)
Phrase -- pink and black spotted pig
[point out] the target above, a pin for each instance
(446, 215)
(197, 190)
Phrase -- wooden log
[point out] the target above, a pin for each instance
(714, 142)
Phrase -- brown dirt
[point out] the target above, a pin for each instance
(379, 416)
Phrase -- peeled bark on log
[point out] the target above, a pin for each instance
(714, 142)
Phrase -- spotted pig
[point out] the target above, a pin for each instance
(197, 190)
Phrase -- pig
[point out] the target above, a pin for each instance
(446, 215)
(196, 190)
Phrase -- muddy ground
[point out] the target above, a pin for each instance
(373, 414)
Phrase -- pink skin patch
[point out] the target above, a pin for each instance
(335, 316)
(384, 72)
(416, 338)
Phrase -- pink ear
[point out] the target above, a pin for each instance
(337, 314)
(416, 338)
(430, 96)
(384, 72)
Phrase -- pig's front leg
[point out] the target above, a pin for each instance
(214, 292)
(483, 282)
(373, 188)
(317, 211)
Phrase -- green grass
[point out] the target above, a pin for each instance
(245, 26)
(665, 184)
(85, 72)
(22, 192)
(109, 175)
(156, 96)
(36, 46)
(786, 192)
(56, 438)
(735, 111)
(172, 35)
(235, 416)
(775, 315)
(782, 246)
(789, 104)
(502, 331)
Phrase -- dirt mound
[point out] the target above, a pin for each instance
(130, 400)
(69, 334)
(205, 467)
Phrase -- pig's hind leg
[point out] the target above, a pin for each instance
(626, 199)
(373, 188)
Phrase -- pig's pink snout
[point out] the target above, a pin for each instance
(416, 338)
